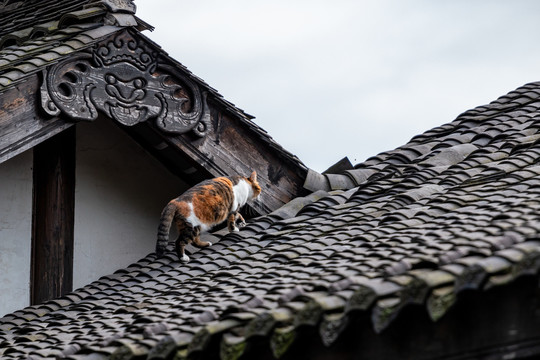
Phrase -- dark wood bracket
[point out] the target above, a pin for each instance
(123, 79)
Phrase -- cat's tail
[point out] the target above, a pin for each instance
(167, 216)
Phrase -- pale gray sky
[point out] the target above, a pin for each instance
(352, 78)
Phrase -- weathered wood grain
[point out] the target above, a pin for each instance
(53, 217)
(231, 148)
(22, 125)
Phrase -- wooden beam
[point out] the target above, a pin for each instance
(22, 124)
(231, 148)
(53, 217)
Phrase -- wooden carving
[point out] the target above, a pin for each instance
(123, 79)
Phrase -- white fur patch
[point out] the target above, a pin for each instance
(185, 258)
(194, 220)
(242, 193)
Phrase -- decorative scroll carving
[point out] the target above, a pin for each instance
(122, 79)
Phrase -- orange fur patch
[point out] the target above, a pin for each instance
(225, 181)
(208, 203)
(182, 208)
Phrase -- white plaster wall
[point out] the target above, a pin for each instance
(15, 232)
(120, 192)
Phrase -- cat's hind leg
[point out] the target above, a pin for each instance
(197, 239)
(180, 245)
(186, 234)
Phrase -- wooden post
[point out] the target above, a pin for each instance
(53, 217)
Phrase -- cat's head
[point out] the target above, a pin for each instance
(252, 180)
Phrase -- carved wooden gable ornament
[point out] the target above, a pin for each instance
(123, 79)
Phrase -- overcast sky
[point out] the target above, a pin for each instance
(336, 78)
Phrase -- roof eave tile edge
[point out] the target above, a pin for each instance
(382, 314)
(96, 34)
(329, 182)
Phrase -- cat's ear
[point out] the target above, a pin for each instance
(253, 177)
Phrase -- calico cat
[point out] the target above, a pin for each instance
(203, 206)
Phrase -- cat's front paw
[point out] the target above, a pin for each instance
(241, 224)
(235, 229)
(209, 243)
(184, 258)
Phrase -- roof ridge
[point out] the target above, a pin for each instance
(19, 28)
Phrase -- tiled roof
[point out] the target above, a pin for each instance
(21, 16)
(454, 209)
(36, 34)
